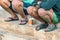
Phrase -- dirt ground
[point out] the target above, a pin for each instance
(13, 31)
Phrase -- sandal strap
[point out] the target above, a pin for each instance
(51, 28)
(41, 26)
(12, 18)
(23, 22)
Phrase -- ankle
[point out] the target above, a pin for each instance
(51, 24)
(44, 22)
(15, 17)
(24, 19)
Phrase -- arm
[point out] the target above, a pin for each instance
(48, 4)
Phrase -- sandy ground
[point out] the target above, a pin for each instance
(14, 31)
(4, 15)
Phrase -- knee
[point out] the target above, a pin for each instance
(4, 4)
(16, 4)
(41, 12)
(30, 10)
(46, 16)
(4, 1)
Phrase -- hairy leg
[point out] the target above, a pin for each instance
(18, 6)
(46, 15)
(33, 11)
(5, 4)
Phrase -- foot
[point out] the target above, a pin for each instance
(23, 22)
(12, 19)
(50, 28)
(41, 26)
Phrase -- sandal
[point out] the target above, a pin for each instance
(50, 28)
(23, 22)
(41, 26)
(11, 19)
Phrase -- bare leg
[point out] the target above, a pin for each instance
(18, 6)
(5, 4)
(33, 12)
(45, 15)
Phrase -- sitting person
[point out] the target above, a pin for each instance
(17, 6)
(49, 11)
(20, 6)
(9, 7)
(6, 4)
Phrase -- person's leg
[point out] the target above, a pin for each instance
(18, 6)
(5, 4)
(33, 11)
(47, 15)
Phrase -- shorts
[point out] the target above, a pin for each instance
(55, 18)
(11, 7)
(26, 5)
(15, 11)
